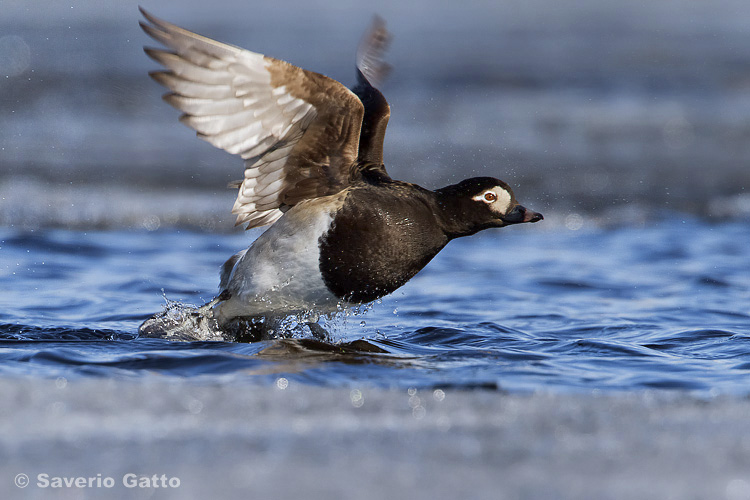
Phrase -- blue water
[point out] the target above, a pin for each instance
(591, 110)
(664, 305)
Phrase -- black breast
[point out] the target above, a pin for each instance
(380, 238)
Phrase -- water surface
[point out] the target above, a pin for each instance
(611, 118)
(520, 309)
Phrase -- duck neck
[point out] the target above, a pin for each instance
(453, 215)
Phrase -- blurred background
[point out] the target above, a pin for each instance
(607, 111)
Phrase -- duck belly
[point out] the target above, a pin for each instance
(280, 272)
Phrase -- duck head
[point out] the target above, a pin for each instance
(480, 203)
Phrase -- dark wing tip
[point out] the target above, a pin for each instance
(374, 44)
(156, 54)
(150, 31)
(158, 29)
(149, 17)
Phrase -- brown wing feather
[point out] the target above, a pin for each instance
(297, 131)
(321, 161)
(371, 71)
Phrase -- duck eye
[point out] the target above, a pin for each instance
(490, 196)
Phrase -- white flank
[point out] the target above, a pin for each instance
(280, 272)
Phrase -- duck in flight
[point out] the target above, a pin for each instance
(342, 231)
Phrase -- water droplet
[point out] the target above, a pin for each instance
(574, 222)
(15, 55)
(357, 398)
(362, 323)
(737, 488)
(151, 223)
(194, 406)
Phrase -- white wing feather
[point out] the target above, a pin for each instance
(227, 97)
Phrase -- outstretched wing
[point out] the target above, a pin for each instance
(371, 72)
(297, 131)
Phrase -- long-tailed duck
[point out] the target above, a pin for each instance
(342, 231)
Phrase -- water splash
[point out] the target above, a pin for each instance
(185, 322)
(178, 321)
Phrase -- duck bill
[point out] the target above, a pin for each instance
(521, 214)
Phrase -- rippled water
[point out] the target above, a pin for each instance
(666, 305)
(591, 109)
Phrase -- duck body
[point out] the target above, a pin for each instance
(353, 247)
(381, 237)
(342, 250)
